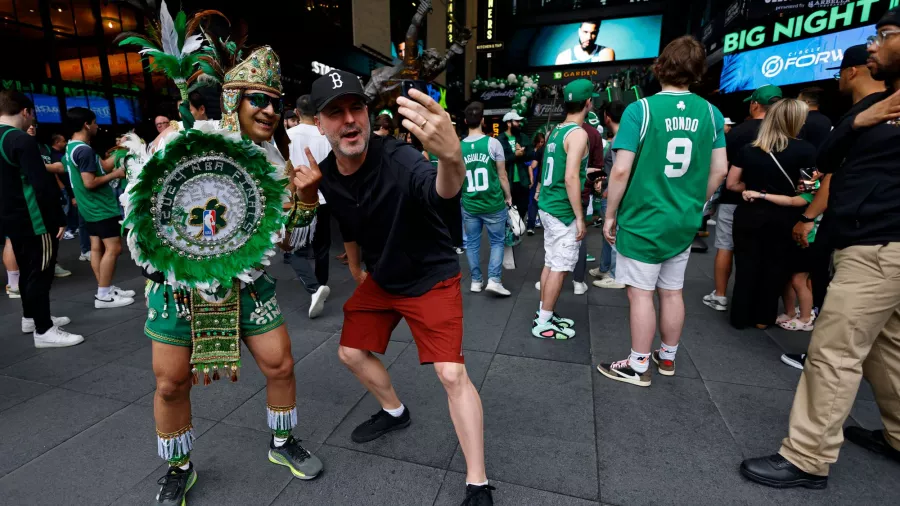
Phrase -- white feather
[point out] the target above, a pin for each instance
(191, 44)
(167, 32)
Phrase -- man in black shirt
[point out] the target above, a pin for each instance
(817, 126)
(858, 332)
(30, 215)
(745, 133)
(393, 204)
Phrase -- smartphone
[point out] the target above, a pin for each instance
(409, 84)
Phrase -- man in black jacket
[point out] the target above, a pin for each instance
(518, 148)
(30, 215)
(858, 332)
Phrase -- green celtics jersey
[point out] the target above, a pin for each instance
(94, 205)
(482, 193)
(672, 135)
(554, 199)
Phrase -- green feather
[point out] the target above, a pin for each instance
(181, 27)
(138, 41)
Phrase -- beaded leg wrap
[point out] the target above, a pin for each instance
(175, 447)
(282, 419)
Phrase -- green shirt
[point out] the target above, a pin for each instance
(511, 140)
(672, 135)
(482, 193)
(808, 197)
(554, 198)
(94, 205)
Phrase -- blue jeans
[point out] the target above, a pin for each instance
(532, 204)
(607, 254)
(83, 237)
(496, 229)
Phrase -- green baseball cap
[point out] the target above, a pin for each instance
(765, 94)
(593, 119)
(579, 90)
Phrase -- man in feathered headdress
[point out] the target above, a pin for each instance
(204, 213)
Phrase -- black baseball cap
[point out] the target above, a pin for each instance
(854, 56)
(474, 113)
(891, 17)
(332, 85)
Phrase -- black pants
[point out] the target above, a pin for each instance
(820, 271)
(763, 249)
(581, 266)
(520, 198)
(322, 243)
(36, 257)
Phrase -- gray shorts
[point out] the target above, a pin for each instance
(724, 222)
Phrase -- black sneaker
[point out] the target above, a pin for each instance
(303, 465)
(478, 496)
(287, 258)
(872, 440)
(778, 472)
(175, 485)
(620, 371)
(380, 424)
(795, 360)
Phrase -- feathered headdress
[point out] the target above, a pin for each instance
(172, 44)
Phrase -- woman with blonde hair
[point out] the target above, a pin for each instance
(769, 172)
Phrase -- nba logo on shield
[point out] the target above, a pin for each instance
(209, 223)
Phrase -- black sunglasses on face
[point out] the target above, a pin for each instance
(261, 101)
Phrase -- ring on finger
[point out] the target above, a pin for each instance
(424, 122)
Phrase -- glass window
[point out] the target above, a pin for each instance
(85, 23)
(112, 26)
(69, 59)
(61, 17)
(6, 10)
(28, 13)
(128, 17)
(21, 62)
(127, 111)
(90, 62)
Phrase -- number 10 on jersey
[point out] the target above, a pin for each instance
(478, 180)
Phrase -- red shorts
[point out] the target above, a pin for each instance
(435, 319)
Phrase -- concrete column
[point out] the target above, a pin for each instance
(437, 33)
(372, 24)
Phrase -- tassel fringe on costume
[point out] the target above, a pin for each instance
(175, 445)
(282, 418)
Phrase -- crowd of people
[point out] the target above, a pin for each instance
(805, 214)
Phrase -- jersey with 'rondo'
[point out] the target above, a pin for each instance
(672, 135)
(482, 193)
(554, 199)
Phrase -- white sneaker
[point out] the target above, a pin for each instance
(714, 301)
(711, 222)
(497, 288)
(476, 286)
(58, 321)
(112, 301)
(580, 288)
(56, 338)
(84, 257)
(608, 282)
(537, 286)
(59, 272)
(13, 293)
(318, 302)
(460, 251)
(115, 290)
(68, 236)
(597, 273)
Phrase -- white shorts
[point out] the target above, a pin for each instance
(668, 275)
(560, 245)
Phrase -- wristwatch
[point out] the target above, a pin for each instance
(806, 219)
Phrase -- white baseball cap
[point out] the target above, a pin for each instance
(728, 121)
(512, 116)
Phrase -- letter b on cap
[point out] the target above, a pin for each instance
(336, 81)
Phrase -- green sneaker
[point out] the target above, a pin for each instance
(559, 321)
(13, 293)
(175, 486)
(591, 258)
(303, 465)
(550, 330)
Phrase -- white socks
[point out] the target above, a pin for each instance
(186, 466)
(103, 292)
(279, 441)
(396, 412)
(639, 362)
(13, 277)
(667, 352)
(477, 484)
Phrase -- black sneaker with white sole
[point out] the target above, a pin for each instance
(478, 495)
(620, 371)
(795, 360)
(380, 424)
(175, 485)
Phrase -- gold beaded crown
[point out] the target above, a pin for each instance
(261, 71)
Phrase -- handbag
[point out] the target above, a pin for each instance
(516, 224)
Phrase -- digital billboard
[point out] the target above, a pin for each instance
(795, 62)
(589, 41)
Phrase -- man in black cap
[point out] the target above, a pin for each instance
(858, 332)
(395, 206)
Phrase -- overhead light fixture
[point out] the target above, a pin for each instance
(109, 24)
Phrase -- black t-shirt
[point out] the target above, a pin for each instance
(739, 136)
(761, 173)
(29, 195)
(816, 128)
(864, 197)
(391, 208)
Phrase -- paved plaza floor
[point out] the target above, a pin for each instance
(76, 424)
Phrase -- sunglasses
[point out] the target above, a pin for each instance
(261, 101)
